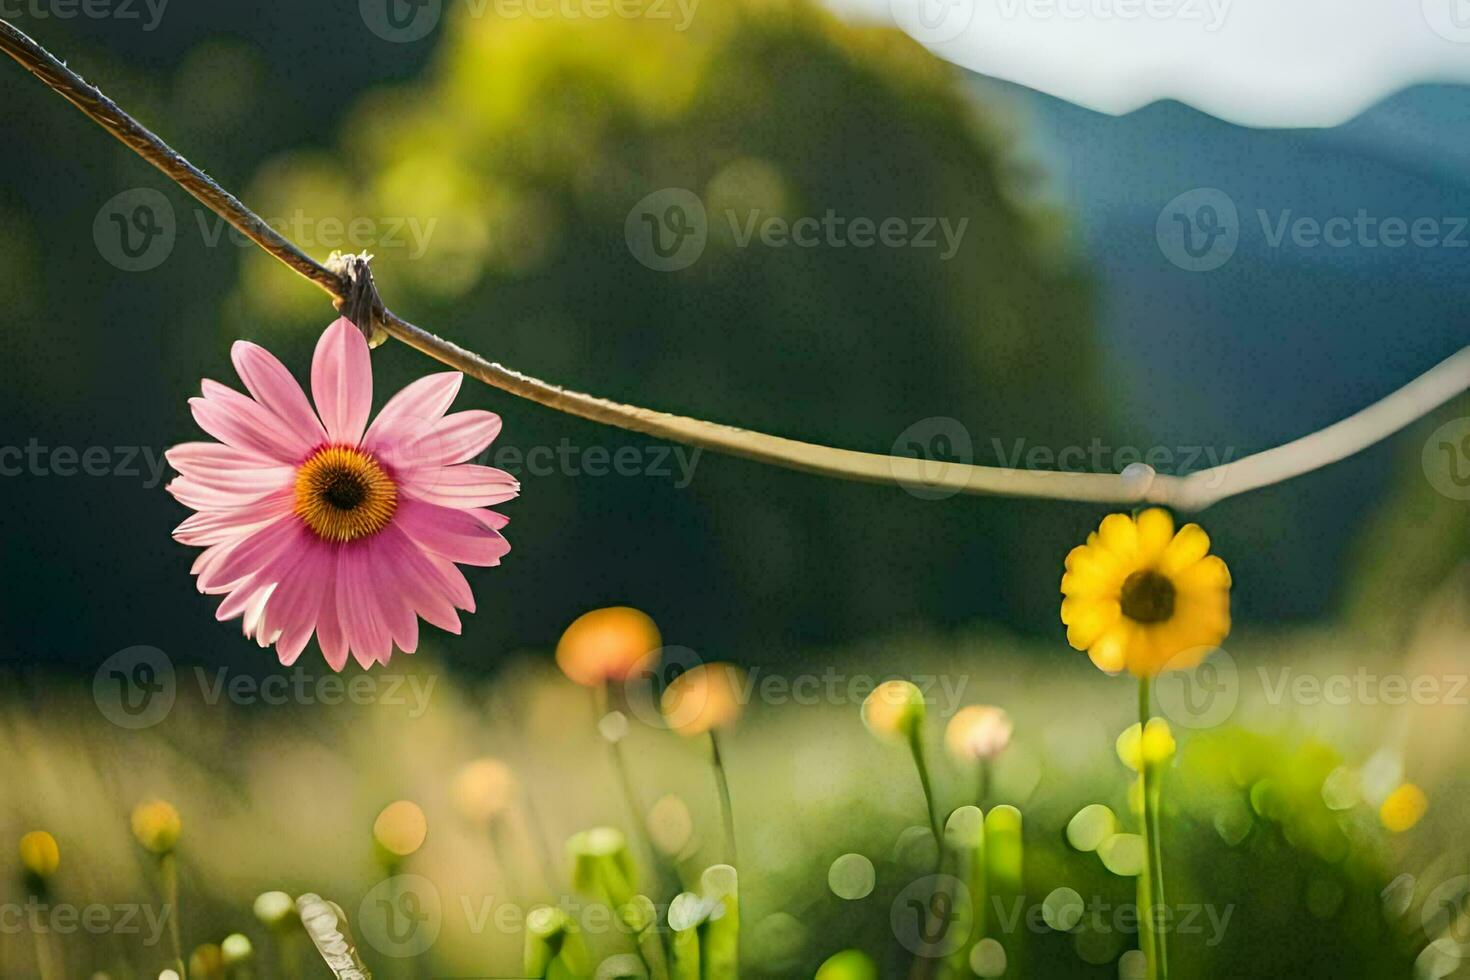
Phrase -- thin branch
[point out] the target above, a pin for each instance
(1193, 492)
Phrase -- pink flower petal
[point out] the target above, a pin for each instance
(216, 527)
(239, 600)
(195, 458)
(329, 633)
(453, 439)
(342, 381)
(296, 604)
(190, 493)
(246, 424)
(417, 406)
(253, 553)
(396, 610)
(463, 486)
(362, 619)
(452, 534)
(420, 579)
(273, 387)
(491, 519)
(243, 482)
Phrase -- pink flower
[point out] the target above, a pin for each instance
(317, 521)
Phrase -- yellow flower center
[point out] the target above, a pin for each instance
(343, 494)
(1148, 597)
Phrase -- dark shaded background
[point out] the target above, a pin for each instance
(1059, 321)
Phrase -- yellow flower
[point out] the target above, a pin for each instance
(39, 853)
(157, 826)
(1140, 597)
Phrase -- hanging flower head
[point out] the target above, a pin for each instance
(1140, 597)
(316, 521)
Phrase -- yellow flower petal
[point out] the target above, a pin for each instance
(1110, 652)
(1094, 581)
(1155, 531)
(1189, 546)
(1118, 534)
(1209, 574)
(1089, 618)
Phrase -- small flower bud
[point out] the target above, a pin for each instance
(207, 962)
(274, 909)
(401, 828)
(39, 854)
(850, 964)
(978, 732)
(1154, 744)
(894, 710)
(157, 826)
(236, 950)
(602, 866)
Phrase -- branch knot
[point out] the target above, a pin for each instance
(359, 300)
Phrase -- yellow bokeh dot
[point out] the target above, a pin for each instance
(482, 790)
(401, 828)
(1403, 808)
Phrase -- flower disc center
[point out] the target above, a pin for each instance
(342, 494)
(1148, 597)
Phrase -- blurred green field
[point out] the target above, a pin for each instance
(1277, 860)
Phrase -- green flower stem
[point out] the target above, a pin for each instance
(686, 914)
(721, 894)
(1005, 879)
(916, 748)
(625, 779)
(641, 917)
(964, 844)
(168, 873)
(500, 853)
(1151, 891)
(727, 811)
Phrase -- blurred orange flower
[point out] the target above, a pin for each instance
(707, 697)
(605, 645)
